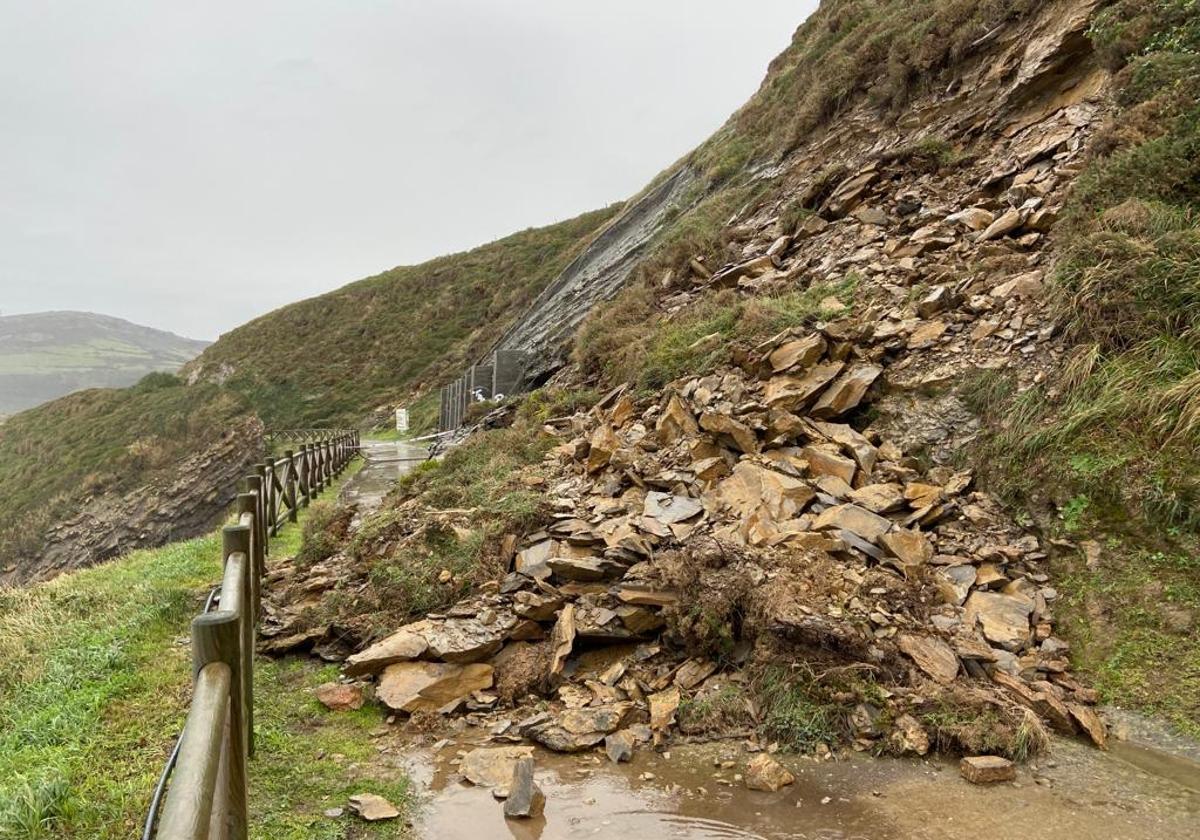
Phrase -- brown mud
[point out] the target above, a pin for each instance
(1076, 792)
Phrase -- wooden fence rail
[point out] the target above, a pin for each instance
(207, 797)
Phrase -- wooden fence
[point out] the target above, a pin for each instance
(207, 795)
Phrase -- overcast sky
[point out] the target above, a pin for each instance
(191, 165)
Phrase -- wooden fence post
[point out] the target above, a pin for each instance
(264, 490)
(319, 467)
(290, 485)
(254, 485)
(302, 473)
(246, 505)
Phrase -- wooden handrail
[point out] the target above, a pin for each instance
(188, 812)
(207, 798)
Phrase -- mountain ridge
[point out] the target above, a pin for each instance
(46, 355)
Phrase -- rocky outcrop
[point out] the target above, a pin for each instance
(594, 276)
(107, 525)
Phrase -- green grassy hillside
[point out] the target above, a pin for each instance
(56, 455)
(331, 359)
(325, 361)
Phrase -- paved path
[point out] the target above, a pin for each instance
(386, 461)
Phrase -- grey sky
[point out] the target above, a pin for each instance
(192, 165)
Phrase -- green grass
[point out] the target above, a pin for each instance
(794, 714)
(94, 681)
(310, 760)
(721, 710)
(1117, 617)
(479, 475)
(91, 690)
(1109, 449)
(386, 338)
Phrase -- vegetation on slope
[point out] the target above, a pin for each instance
(330, 360)
(628, 340)
(94, 688)
(439, 534)
(1115, 440)
(847, 52)
(886, 52)
(56, 455)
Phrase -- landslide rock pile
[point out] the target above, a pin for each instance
(734, 522)
(799, 508)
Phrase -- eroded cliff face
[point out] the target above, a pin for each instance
(109, 524)
(596, 274)
(1025, 93)
(795, 497)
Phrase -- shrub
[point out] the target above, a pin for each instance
(323, 532)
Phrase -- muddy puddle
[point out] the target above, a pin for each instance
(1076, 793)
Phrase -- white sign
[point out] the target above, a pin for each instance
(401, 419)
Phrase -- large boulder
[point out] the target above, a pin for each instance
(492, 767)
(430, 686)
(1003, 619)
(575, 730)
(405, 644)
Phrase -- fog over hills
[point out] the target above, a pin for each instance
(48, 354)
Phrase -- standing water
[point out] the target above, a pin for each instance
(384, 463)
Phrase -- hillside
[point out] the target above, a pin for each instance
(48, 354)
(331, 359)
(68, 467)
(884, 443)
(97, 473)
(991, 196)
(907, 389)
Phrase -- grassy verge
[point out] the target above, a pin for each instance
(1131, 621)
(1108, 449)
(311, 760)
(94, 683)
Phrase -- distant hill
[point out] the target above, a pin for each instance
(48, 354)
